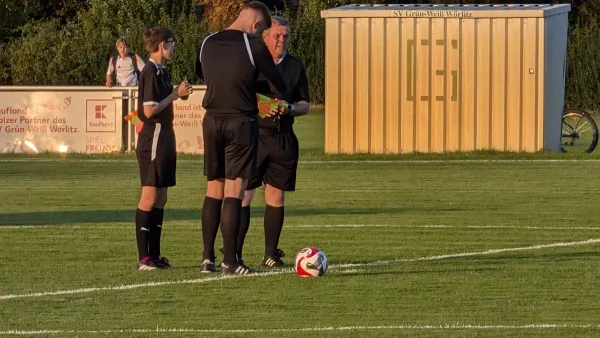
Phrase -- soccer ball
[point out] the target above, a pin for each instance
(310, 262)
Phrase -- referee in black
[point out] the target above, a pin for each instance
(278, 146)
(230, 61)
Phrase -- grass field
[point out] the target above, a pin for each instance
(479, 244)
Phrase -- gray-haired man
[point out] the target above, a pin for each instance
(278, 152)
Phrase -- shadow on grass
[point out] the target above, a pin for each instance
(115, 216)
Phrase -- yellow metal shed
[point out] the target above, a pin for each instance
(437, 78)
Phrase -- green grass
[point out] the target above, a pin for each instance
(67, 224)
(311, 130)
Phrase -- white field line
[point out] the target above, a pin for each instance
(348, 271)
(333, 267)
(470, 254)
(315, 329)
(309, 226)
(219, 277)
(440, 226)
(199, 161)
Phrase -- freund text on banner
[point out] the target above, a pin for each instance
(57, 121)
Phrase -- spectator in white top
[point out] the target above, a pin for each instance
(122, 67)
(126, 72)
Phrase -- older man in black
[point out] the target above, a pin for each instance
(277, 146)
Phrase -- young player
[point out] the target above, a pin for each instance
(156, 149)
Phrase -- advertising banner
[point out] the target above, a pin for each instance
(188, 123)
(60, 121)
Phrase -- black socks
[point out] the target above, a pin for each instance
(230, 223)
(211, 218)
(142, 230)
(273, 225)
(156, 220)
(243, 230)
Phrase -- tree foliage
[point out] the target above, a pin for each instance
(77, 53)
(50, 42)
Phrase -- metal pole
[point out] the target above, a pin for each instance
(133, 107)
(130, 97)
(74, 88)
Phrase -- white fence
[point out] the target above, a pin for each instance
(85, 119)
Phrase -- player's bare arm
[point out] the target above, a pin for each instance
(183, 89)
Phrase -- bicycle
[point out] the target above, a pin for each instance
(579, 131)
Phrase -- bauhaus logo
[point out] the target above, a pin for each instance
(101, 116)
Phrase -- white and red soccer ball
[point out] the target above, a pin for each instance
(310, 262)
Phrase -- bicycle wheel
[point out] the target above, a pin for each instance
(579, 131)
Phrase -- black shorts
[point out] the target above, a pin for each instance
(277, 161)
(157, 155)
(230, 145)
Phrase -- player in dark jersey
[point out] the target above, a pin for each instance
(278, 146)
(156, 150)
(230, 61)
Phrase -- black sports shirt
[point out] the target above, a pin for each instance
(155, 85)
(230, 61)
(293, 73)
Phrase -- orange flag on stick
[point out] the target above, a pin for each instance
(264, 101)
(133, 117)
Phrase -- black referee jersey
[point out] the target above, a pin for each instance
(294, 75)
(230, 61)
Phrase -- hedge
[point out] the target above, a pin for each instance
(50, 52)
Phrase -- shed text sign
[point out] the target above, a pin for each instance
(433, 14)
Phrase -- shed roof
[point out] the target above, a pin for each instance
(447, 11)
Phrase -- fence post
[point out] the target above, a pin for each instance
(130, 110)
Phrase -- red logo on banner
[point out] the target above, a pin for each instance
(101, 116)
(99, 109)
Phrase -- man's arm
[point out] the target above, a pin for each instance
(301, 95)
(109, 73)
(263, 61)
(301, 108)
(198, 65)
(198, 61)
(140, 63)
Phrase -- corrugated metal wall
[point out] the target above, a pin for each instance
(554, 78)
(401, 85)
